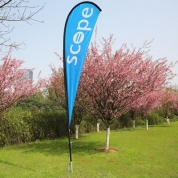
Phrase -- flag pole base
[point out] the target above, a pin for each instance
(70, 168)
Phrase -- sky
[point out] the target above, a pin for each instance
(130, 21)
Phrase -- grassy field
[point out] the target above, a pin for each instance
(141, 153)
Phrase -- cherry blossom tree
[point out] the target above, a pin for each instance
(57, 85)
(169, 103)
(147, 103)
(14, 86)
(113, 81)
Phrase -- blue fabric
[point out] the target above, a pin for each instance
(77, 34)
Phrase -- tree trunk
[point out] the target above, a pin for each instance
(107, 138)
(98, 127)
(146, 124)
(133, 124)
(168, 121)
(76, 131)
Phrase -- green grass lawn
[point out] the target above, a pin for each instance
(142, 153)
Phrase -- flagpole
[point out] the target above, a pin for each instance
(78, 29)
(70, 168)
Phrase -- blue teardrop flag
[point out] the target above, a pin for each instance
(77, 34)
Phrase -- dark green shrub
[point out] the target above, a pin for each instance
(48, 124)
(13, 129)
(154, 118)
(20, 125)
(86, 125)
(139, 121)
(125, 120)
(115, 125)
(89, 123)
(175, 118)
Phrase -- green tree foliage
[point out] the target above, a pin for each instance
(35, 103)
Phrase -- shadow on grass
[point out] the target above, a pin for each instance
(23, 167)
(161, 125)
(15, 165)
(59, 146)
